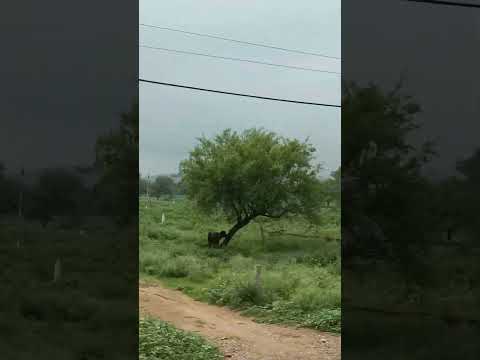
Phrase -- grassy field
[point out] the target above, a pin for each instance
(300, 279)
(433, 301)
(90, 306)
(159, 340)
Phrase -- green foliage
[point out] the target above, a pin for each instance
(91, 303)
(470, 167)
(300, 280)
(161, 341)
(57, 191)
(466, 193)
(385, 118)
(255, 173)
(9, 192)
(142, 186)
(117, 156)
(377, 152)
(162, 185)
(331, 189)
(286, 312)
(178, 267)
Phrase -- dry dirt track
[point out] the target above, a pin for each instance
(238, 337)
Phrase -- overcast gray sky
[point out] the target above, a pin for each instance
(438, 49)
(171, 119)
(67, 83)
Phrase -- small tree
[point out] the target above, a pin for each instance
(163, 185)
(142, 185)
(117, 156)
(9, 192)
(256, 173)
(57, 191)
(332, 188)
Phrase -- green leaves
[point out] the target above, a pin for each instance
(117, 155)
(161, 341)
(255, 173)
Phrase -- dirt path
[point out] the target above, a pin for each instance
(238, 337)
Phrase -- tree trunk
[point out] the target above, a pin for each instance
(240, 224)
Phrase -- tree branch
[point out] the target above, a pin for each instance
(236, 211)
(283, 213)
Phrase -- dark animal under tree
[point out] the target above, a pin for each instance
(215, 237)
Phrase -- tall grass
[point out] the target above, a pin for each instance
(300, 278)
(91, 303)
(159, 340)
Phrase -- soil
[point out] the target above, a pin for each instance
(238, 337)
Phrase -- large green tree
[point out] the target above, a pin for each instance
(252, 174)
(381, 169)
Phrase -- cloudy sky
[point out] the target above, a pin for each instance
(171, 119)
(437, 48)
(66, 83)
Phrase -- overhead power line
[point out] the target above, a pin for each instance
(238, 59)
(448, 3)
(241, 42)
(238, 94)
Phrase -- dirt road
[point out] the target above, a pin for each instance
(238, 337)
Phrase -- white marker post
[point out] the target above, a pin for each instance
(163, 218)
(57, 271)
(258, 272)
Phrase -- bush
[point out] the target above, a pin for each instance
(308, 299)
(50, 306)
(235, 290)
(151, 263)
(165, 264)
(241, 263)
(326, 320)
(280, 285)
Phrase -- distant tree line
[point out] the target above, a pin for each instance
(383, 182)
(54, 192)
(160, 186)
(64, 191)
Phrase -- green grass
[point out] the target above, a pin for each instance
(300, 279)
(161, 341)
(92, 303)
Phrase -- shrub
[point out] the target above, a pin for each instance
(178, 267)
(241, 263)
(310, 298)
(326, 320)
(235, 290)
(279, 285)
(50, 306)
